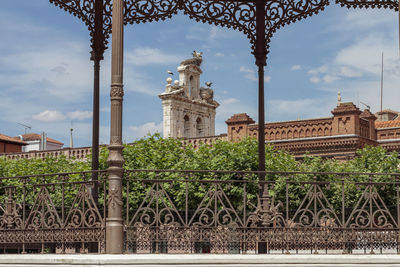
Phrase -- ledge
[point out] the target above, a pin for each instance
(196, 260)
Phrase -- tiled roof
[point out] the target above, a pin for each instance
(388, 111)
(7, 138)
(387, 124)
(34, 137)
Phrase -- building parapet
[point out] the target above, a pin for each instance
(208, 140)
(79, 153)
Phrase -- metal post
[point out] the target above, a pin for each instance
(261, 58)
(97, 55)
(95, 128)
(114, 221)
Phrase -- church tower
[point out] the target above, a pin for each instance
(188, 109)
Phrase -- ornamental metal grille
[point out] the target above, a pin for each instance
(236, 14)
(169, 211)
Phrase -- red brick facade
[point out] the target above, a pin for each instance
(10, 145)
(339, 136)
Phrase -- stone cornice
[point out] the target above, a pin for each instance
(324, 145)
(172, 96)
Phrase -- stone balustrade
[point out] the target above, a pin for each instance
(79, 153)
(209, 140)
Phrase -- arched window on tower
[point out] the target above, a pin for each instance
(199, 127)
(186, 126)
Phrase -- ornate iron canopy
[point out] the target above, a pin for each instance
(85, 10)
(236, 14)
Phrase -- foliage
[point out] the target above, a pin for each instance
(156, 153)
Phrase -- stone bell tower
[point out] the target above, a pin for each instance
(188, 109)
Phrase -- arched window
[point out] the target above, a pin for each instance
(186, 126)
(199, 127)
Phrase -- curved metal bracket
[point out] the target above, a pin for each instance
(283, 12)
(85, 10)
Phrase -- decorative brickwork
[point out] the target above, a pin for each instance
(339, 136)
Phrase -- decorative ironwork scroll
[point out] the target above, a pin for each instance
(85, 11)
(239, 15)
(236, 14)
(209, 216)
(369, 4)
(283, 12)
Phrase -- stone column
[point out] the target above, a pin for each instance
(114, 222)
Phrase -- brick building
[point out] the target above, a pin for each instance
(10, 144)
(338, 136)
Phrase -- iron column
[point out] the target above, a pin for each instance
(260, 54)
(98, 48)
(114, 222)
(261, 59)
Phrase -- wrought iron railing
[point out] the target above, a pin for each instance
(51, 213)
(169, 211)
(219, 212)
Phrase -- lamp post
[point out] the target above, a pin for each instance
(114, 221)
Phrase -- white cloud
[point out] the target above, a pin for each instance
(308, 108)
(329, 78)
(312, 72)
(321, 69)
(54, 115)
(79, 115)
(49, 115)
(142, 130)
(249, 74)
(231, 100)
(57, 69)
(315, 79)
(219, 54)
(149, 56)
(364, 19)
(364, 55)
(296, 67)
(346, 71)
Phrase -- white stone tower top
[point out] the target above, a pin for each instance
(188, 109)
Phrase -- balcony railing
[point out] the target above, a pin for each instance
(168, 211)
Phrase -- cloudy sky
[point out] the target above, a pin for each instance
(46, 75)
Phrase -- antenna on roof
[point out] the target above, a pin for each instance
(25, 126)
(367, 106)
(382, 84)
(71, 140)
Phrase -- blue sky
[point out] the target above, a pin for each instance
(46, 75)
